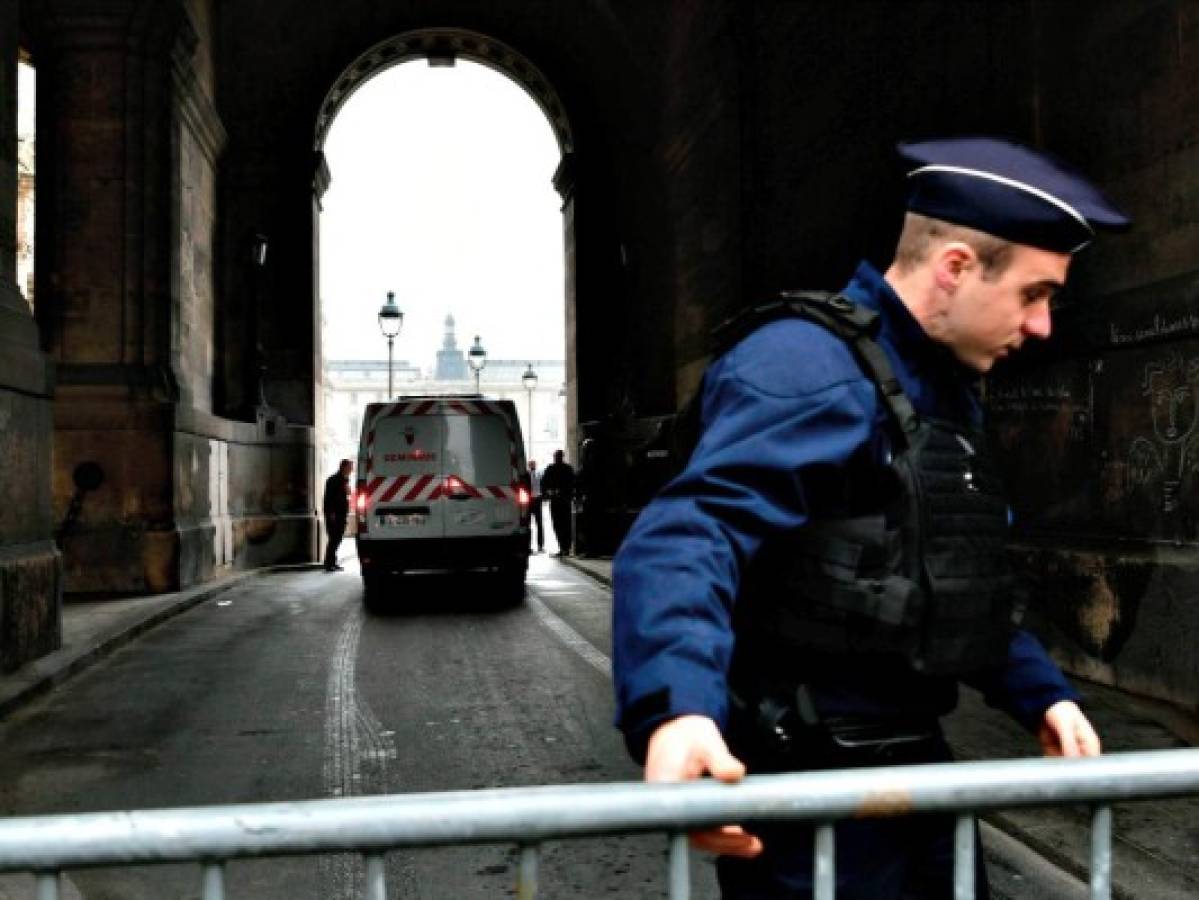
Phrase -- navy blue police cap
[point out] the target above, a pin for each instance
(1007, 190)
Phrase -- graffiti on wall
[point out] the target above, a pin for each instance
(1170, 456)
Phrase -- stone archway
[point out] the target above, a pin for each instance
(443, 47)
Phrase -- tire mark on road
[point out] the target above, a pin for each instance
(357, 751)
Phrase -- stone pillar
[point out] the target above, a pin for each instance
(564, 184)
(126, 273)
(30, 566)
(103, 273)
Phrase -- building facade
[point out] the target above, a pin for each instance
(350, 384)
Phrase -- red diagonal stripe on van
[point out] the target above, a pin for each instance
(393, 488)
(420, 485)
(461, 407)
(383, 414)
(425, 408)
(496, 491)
(464, 487)
(373, 485)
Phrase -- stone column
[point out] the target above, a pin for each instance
(564, 184)
(128, 303)
(30, 566)
(102, 269)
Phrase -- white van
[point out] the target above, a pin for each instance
(442, 486)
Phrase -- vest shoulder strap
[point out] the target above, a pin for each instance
(854, 324)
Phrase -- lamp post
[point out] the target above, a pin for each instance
(391, 319)
(529, 380)
(476, 358)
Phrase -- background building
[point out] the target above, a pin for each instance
(350, 384)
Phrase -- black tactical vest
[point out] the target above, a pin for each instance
(916, 568)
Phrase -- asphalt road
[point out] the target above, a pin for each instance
(283, 688)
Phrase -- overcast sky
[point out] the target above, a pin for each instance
(26, 107)
(442, 193)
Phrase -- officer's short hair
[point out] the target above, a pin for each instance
(921, 233)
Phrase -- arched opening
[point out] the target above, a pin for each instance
(445, 182)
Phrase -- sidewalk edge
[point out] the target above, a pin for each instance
(580, 566)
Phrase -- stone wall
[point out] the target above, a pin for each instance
(242, 496)
(601, 63)
(722, 151)
(30, 565)
(1103, 425)
(197, 140)
(128, 208)
(700, 157)
(795, 147)
(185, 496)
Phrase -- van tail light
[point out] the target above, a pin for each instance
(360, 499)
(523, 505)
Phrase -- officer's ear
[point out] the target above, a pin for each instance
(951, 262)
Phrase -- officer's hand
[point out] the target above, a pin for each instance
(686, 748)
(1065, 731)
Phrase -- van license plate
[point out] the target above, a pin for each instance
(404, 518)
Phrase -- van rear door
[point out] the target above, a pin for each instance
(405, 480)
(480, 467)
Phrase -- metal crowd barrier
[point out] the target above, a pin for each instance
(48, 845)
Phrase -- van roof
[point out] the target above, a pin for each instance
(472, 403)
(404, 397)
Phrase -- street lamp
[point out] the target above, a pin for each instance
(476, 358)
(529, 380)
(390, 321)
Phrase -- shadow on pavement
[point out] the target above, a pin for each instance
(438, 593)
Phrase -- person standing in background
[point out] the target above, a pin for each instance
(535, 505)
(336, 507)
(558, 484)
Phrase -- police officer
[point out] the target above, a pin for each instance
(811, 589)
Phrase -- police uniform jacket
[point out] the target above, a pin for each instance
(787, 414)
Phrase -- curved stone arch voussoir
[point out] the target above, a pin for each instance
(447, 44)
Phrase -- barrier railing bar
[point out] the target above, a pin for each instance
(530, 857)
(1101, 853)
(531, 815)
(680, 867)
(214, 881)
(376, 877)
(963, 858)
(47, 885)
(824, 863)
